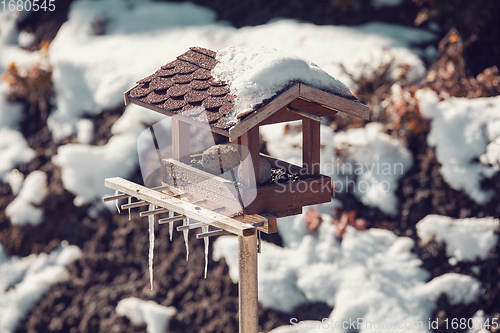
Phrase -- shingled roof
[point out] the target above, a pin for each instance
(186, 87)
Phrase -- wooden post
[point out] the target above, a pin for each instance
(247, 286)
(181, 141)
(311, 146)
(250, 139)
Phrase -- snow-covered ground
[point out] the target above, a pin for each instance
(372, 275)
(24, 281)
(370, 278)
(138, 311)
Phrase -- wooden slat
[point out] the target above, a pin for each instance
(153, 212)
(191, 226)
(135, 204)
(247, 284)
(181, 145)
(211, 233)
(264, 112)
(172, 219)
(312, 108)
(270, 225)
(281, 116)
(115, 197)
(305, 114)
(274, 198)
(201, 184)
(250, 164)
(179, 206)
(335, 102)
(311, 146)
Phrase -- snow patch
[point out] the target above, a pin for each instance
(25, 281)
(466, 239)
(368, 275)
(84, 167)
(376, 162)
(14, 150)
(101, 67)
(85, 130)
(256, 74)
(155, 316)
(24, 208)
(461, 129)
(15, 179)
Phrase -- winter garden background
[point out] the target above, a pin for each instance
(409, 242)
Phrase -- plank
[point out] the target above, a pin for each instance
(179, 206)
(181, 140)
(264, 112)
(335, 102)
(201, 184)
(251, 164)
(270, 224)
(311, 146)
(247, 284)
(281, 116)
(274, 198)
(305, 114)
(312, 108)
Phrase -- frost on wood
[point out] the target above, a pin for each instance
(186, 234)
(204, 229)
(151, 220)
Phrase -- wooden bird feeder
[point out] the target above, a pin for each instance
(186, 90)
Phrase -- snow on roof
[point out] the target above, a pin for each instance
(223, 87)
(256, 74)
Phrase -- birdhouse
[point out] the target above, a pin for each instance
(186, 90)
(233, 186)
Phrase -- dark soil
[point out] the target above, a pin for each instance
(114, 261)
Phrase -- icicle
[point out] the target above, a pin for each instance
(129, 201)
(186, 234)
(116, 203)
(151, 220)
(170, 225)
(207, 241)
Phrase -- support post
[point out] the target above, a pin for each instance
(247, 286)
(311, 146)
(250, 139)
(181, 144)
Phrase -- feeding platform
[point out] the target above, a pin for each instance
(246, 191)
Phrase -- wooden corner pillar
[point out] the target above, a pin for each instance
(311, 140)
(181, 141)
(250, 140)
(247, 284)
